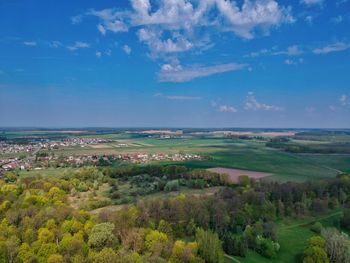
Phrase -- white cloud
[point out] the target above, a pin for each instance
(176, 73)
(226, 108)
(170, 26)
(110, 20)
(294, 61)
(311, 2)
(78, 45)
(253, 104)
(30, 43)
(344, 100)
(102, 29)
(258, 53)
(177, 43)
(264, 14)
(309, 19)
(339, 46)
(176, 97)
(98, 54)
(127, 49)
(290, 51)
(55, 44)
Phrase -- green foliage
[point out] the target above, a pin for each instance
(106, 255)
(173, 185)
(266, 247)
(10, 177)
(315, 251)
(235, 244)
(209, 246)
(101, 236)
(156, 243)
(316, 227)
(185, 253)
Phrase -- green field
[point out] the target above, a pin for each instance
(252, 154)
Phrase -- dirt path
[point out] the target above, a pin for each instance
(232, 258)
(313, 220)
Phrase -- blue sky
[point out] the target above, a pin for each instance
(167, 63)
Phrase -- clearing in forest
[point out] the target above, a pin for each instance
(234, 174)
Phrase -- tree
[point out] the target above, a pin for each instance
(337, 245)
(55, 258)
(106, 255)
(209, 246)
(10, 177)
(185, 253)
(101, 236)
(345, 221)
(235, 244)
(316, 227)
(266, 247)
(165, 227)
(315, 251)
(156, 243)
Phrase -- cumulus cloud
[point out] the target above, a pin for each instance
(173, 26)
(30, 43)
(336, 47)
(110, 20)
(253, 104)
(78, 45)
(177, 73)
(176, 97)
(264, 14)
(127, 49)
(311, 2)
(226, 108)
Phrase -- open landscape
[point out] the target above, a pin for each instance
(108, 172)
(175, 131)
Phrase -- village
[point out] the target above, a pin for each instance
(34, 155)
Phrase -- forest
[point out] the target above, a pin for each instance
(39, 223)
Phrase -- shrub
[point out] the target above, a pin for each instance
(316, 227)
(172, 186)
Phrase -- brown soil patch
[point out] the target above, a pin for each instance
(234, 174)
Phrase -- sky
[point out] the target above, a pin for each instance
(175, 63)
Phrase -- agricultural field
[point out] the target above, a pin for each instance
(250, 152)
